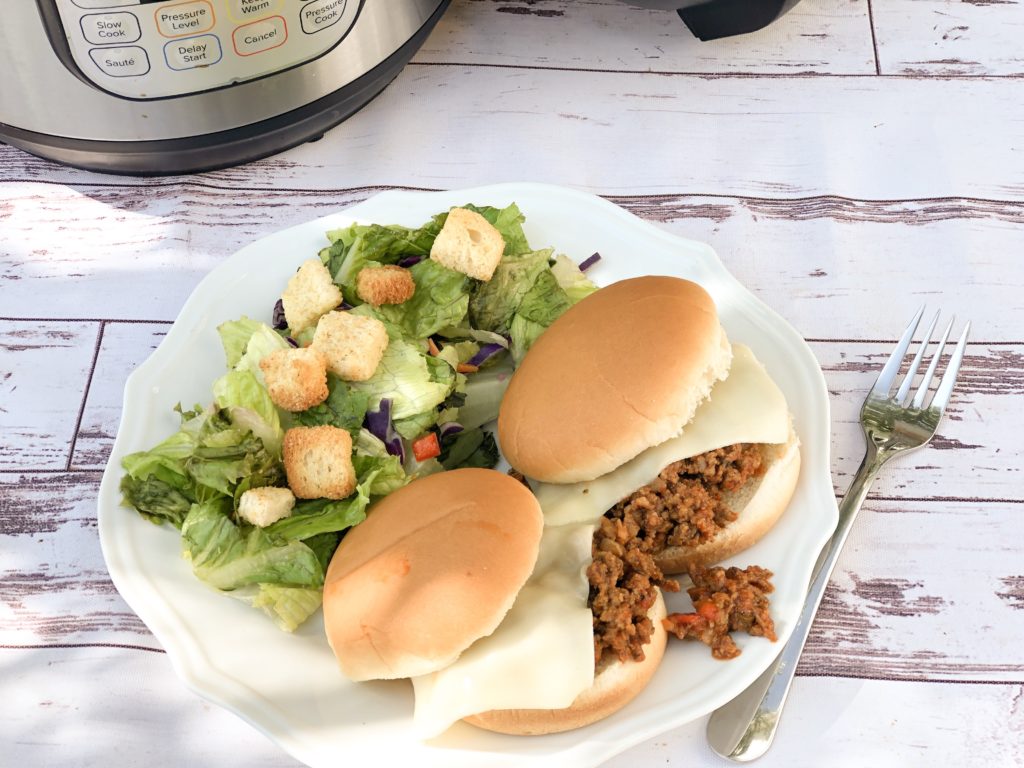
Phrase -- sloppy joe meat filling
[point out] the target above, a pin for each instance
(682, 507)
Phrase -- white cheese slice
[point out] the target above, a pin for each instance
(540, 657)
(745, 407)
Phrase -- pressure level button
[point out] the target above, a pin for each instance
(185, 18)
(107, 28)
(126, 61)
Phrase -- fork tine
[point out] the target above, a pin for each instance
(945, 389)
(922, 390)
(892, 366)
(908, 380)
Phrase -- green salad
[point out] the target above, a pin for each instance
(450, 350)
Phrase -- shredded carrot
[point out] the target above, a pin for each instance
(467, 368)
(432, 347)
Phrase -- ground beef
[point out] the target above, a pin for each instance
(681, 507)
(725, 600)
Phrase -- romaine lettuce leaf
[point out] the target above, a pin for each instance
(263, 341)
(414, 381)
(344, 407)
(249, 406)
(540, 307)
(287, 606)
(494, 303)
(315, 516)
(234, 336)
(575, 284)
(471, 448)
(441, 299)
(227, 556)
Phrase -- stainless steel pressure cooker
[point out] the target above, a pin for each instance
(175, 86)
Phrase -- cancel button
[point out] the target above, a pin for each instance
(192, 52)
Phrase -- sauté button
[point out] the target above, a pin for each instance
(106, 28)
(185, 18)
(321, 14)
(192, 52)
(260, 36)
(126, 61)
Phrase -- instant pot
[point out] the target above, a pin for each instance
(175, 86)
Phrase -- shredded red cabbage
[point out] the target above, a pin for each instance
(291, 341)
(450, 428)
(487, 351)
(590, 261)
(379, 423)
(279, 320)
(408, 261)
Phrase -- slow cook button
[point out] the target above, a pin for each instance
(260, 36)
(321, 14)
(127, 61)
(106, 28)
(192, 52)
(185, 18)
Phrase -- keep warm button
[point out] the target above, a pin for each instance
(321, 14)
(260, 36)
(192, 52)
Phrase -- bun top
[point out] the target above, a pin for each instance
(617, 373)
(435, 566)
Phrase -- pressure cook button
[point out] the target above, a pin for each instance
(126, 61)
(260, 36)
(192, 52)
(321, 14)
(105, 28)
(185, 18)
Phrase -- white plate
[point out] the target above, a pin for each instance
(288, 686)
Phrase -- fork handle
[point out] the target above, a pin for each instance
(743, 729)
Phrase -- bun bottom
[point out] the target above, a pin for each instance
(615, 685)
(760, 504)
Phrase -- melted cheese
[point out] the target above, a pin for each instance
(745, 407)
(542, 654)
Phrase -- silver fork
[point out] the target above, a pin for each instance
(744, 728)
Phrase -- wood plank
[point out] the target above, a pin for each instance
(56, 588)
(43, 375)
(145, 718)
(864, 137)
(942, 38)
(124, 346)
(821, 36)
(813, 259)
(894, 593)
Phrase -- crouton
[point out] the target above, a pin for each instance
(296, 378)
(263, 506)
(351, 344)
(469, 244)
(385, 285)
(310, 293)
(318, 462)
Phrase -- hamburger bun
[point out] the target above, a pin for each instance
(622, 370)
(615, 685)
(758, 505)
(435, 566)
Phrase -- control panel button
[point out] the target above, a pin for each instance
(247, 10)
(260, 36)
(103, 3)
(185, 18)
(106, 28)
(321, 14)
(192, 52)
(126, 61)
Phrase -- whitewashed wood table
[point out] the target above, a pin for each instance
(848, 163)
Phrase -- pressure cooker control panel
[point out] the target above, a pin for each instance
(149, 49)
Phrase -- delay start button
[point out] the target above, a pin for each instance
(126, 61)
(260, 36)
(192, 52)
(321, 14)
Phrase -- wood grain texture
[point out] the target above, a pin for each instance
(44, 370)
(820, 36)
(942, 38)
(865, 137)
